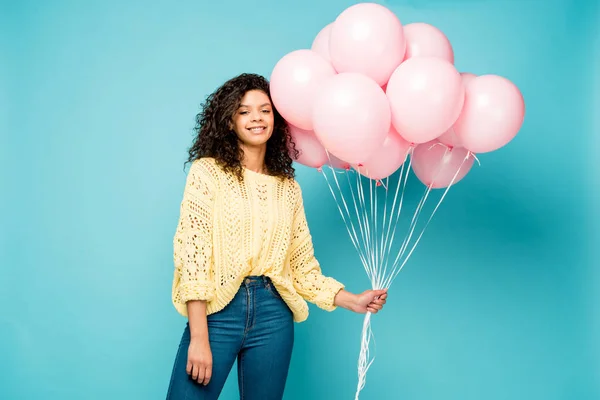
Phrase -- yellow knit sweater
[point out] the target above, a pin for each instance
(229, 230)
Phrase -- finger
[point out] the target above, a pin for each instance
(371, 310)
(383, 296)
(194, 372)
(375, 306)
(380, 302)
(200, 374)
(379, 294)
(207, 375)
(188, 368)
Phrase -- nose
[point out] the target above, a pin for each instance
(256, 116)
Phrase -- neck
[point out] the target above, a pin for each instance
(254, 158)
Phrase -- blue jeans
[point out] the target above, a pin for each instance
(257, 329)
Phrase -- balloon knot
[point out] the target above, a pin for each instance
(347, 167)
(320, 169)
(378, 183)
(360, 164)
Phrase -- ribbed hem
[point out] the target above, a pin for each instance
(224, 296)
(204, 291)
(295, 302)
(215, 300)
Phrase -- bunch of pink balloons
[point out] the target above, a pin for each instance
(370, 89)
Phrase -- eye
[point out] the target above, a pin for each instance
(243, 112)
(266, 111)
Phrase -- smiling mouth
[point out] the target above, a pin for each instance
(257, 129)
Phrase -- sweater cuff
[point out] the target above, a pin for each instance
(196, 291)
(326, 298)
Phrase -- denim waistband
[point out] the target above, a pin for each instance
(256, 281)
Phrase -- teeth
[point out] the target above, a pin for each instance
(256, 130)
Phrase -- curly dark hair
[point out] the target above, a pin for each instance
(214, 137)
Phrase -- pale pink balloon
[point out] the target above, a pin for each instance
(450, 138)
(294, 81)
(467, 77)
(367, 38)
(492, 115)
(386, 159)
(337, 163)
(426, 96)
(310, 151)
(320, 44)
(424, 40)
(436, 165)
(351, 116)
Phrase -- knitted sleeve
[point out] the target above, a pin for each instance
(194, 278)
(308, 280)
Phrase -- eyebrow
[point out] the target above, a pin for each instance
(262, 105)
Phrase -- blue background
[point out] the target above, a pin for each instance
(499, 301)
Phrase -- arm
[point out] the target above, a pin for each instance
(368, 301)
(312, 285)
(193, 285)
(193, 241)
(199, 364)
(197, 318)
(308, 280)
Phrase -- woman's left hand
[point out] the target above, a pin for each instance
(370, 301)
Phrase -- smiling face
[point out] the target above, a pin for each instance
(253, 120)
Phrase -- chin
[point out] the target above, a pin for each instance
(257, 140)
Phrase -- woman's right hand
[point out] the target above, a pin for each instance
(199, 365)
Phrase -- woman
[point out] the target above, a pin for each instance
(244, 261)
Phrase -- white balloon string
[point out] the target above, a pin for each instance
(396, 272)
(376, 239)
(372, 228)
(347, 222)
(364, 216)
(365, 360)
(383, 232)
(354, 201)
(415, 218)
(376, 230)
(402, 181)
(341, 196)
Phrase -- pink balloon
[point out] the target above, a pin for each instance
(426, 96)
(492, 115)
(321, 43)
(367, 38)
(311, 151)
(294, 81)
(337, 163)
(351, 116)
(436, 165)
(387, 158)
(467, 77)
(424, 40)
(450, 139)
